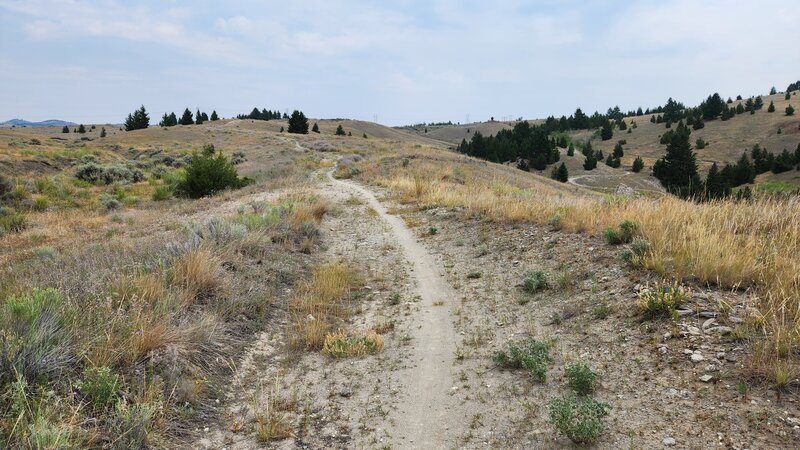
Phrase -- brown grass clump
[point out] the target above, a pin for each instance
(322, 301)
(199, 274)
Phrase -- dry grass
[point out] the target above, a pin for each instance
(321, 302)
(199, 275)
(751, 245)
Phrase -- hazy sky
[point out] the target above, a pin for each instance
(404, 61)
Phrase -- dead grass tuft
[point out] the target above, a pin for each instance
(199, 275)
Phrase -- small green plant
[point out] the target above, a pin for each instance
(100, 385)
(555, 221)
(533, 356)
(12, 223)
(601, 311)
(432, 231)
(534, 280)
(581, 378)
(474, 275)
(661, 301)
(162, 193)
(578, 418)
(627, 230)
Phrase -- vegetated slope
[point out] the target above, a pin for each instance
(726, 139)
(453, 134)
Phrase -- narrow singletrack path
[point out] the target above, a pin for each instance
(427, 415)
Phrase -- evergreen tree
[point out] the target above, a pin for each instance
(315, 128)
(365, 136)
(789, 110)
(81, 129)
(65, 129)
(740, 108)
(186, 118)
(214, 116)
(773, 91)
(205, 117)
(103, 132)
(164, 120)
(340, 131)
(716, 186)
(281, 130)
(618, 151)
(606, 132)
(638, 164)
(561, 174)
(749, 105)
(758, 104)
(571, 150)
(639, 111)
(744, 172)
(591, 162)
(788, 96)
(173, 119)
(255, 114)
(771, 107)
(622, 125)
(199, 117)
(677, 170)
(265, 115)
(137, 120)
(298, 123)
(349, 133)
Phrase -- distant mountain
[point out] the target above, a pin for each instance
(44, 123)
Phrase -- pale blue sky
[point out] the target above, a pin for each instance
(405, 61)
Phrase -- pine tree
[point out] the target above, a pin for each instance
(677, 170)
(771, 107)
(618, 151)
(164, 120)
(606, 132)
(205, 117)
(281, 130)
(138, 120)
(744, 172)
(186, 118)
(560, 173)
(65, 129)
(255, 114)
(298, 123)
(103, 132)
(198, 117)
(214, 116)
(740, 108)
(81, 129)
(638, 164)
(349, 133)
(340, 131)
(773, 91)
(590, 163)
(789, 110)
(315, 128)
(758, 104)
(365, 136)
(716, 186)
(173, 119)
(788, 96)
(571, 150)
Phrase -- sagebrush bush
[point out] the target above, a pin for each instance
(533, 356)
(581, 378)
(131, 424)
(534, 281)
(219, 230)
(94, 173)
(578, 418)
(627, 230)
(210, 172)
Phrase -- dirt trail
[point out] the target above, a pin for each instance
(425, 412)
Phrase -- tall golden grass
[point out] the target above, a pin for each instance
(732, 244)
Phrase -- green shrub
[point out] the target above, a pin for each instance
(578, 418)
(627, 230)
(534, 357)
(219, 230)
(432, 230)
(94, 173)
(661, 301)
(534, 281)
(162, 193)
(209, 174)
(100, 385)
(41, 204)
(474, 275)
(581, 378)
(555, 221)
